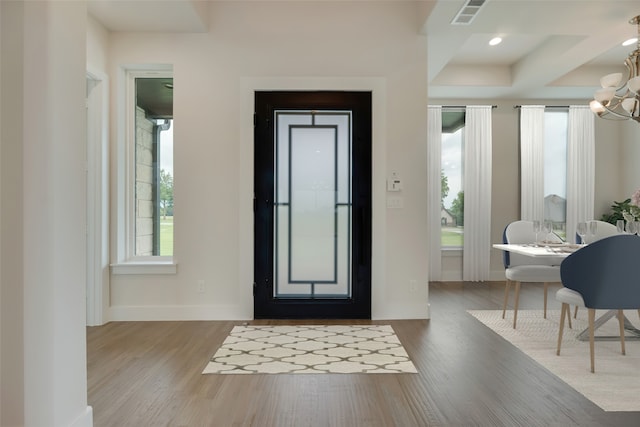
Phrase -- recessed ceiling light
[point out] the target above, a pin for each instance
(629, 42)
(494, 41)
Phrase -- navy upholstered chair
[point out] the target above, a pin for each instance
(604, 229)
(602, 275)
(523, 269)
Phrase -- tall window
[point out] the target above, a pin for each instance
(452, 212)
(555, 168)
(145, 172)
(153, 166)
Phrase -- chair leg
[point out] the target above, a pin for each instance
(515, 304)
(575, 313)
(569, 316)
(506, 297)
(621, 322)
(565, 310)
(592, 318)
(546, 288)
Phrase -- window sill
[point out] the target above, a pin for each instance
(451, 251)
(145, 267)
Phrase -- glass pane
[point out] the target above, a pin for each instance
(144, 202)
(312, 235)
(154, 167)
(166, 190)
(312, 205)
(555, 169)
(452, 212)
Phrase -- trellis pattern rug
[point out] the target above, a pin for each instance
(615, 385)
(311, 349)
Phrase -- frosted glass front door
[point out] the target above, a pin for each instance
(312, 221)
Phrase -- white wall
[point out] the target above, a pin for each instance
(98, 261)
(612, 147)
(54, 214)
(11, 272)
(43, 214)
(97, 45)
(254, 45)
(630, 134)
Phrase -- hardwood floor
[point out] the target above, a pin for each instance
(149, 374)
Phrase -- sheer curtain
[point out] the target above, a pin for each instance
(434, 198)
(477, 193)
(580, 167)
(532, 162)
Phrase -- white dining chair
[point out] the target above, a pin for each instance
(522, 269)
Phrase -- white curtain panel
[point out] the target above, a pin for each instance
(580, 167)
(532, 162)
(477, 193)
(434, 197)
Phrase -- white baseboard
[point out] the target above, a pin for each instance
(497, 276)
(228, 312)
(456, 276)
(451, 276)
(178, 312)
(85, 419)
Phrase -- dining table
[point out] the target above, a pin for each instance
(558, 252)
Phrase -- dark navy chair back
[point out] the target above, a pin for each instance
(606, 272)
(505, 254)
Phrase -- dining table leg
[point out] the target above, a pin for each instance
(628, 327)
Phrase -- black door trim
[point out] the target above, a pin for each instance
(359, 305)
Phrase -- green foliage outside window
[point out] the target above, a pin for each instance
(166, 193)
(457, 209)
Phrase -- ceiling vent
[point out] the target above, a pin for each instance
(468, 12)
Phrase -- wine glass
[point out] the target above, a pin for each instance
(631, 227)
(620, 226)
(581, 230)
(536, 229)
(547, 227)
(559, 230)
(593, 230)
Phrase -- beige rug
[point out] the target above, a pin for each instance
(311, 349)
(615, 386)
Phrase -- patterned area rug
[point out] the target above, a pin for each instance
(615, 385)
(311, 349)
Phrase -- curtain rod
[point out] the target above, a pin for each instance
(546, 106)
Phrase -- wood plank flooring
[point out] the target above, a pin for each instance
(149, 374)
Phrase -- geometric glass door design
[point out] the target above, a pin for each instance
(312, 204)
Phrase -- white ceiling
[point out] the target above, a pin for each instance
(182, 16)
(551, 49)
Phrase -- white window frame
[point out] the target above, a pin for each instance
(126, 260)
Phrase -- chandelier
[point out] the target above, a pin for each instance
(621, 100)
